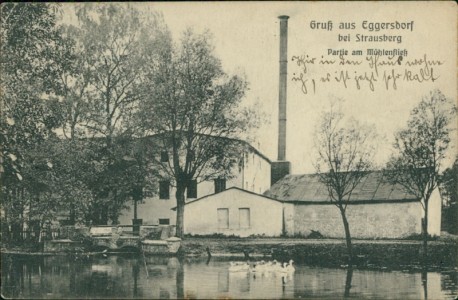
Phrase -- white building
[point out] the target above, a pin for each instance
(234, 212)
(251, 173)
(299, 204)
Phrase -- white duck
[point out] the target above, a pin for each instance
(290, 268)
(272, 265)
(261, 266)
(281, 268)
(238, 266)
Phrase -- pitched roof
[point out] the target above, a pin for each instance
(235, 140)
(308, 188)
(229, 189)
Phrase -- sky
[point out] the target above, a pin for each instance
(246, 39)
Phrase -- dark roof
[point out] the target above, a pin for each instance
(308, 188)
(235, 140)
(231, 188)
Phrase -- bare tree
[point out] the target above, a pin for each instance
(420, 150)
(345, 154)
(194, 110)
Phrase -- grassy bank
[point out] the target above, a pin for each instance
(393, 254)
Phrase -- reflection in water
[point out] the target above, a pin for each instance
(348, 281)
(126, 277)
(424, 281)
(180, 281)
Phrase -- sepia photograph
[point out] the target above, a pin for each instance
(229, 150)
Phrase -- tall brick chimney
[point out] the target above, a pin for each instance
(282, 167)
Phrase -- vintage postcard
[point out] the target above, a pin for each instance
(239, 150)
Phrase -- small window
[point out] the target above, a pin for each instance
(220, 185)
(223, 218)
(164, 156)
(164, 221)
(191, 191)
(164, 189)
(244, 217)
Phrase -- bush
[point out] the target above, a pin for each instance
(315, 235)
(419, 237)
(212, 236)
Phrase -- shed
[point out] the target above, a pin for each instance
(377, 209)
(234, 212)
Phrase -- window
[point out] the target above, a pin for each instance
(192, 189)
(164, 156)
(223, 218)
(244, 217)
(164, 221)
(164, 189)
(220, 185)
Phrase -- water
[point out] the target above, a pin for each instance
(168, 278)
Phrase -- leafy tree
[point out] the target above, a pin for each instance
(193, 109)
(420, 149)
(111, 47)
(345, 154)
(75, 80)
(30, 46)
(449, 188)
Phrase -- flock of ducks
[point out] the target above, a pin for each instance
(262, 266)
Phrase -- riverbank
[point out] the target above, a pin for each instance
(331, 252)
(393, 254)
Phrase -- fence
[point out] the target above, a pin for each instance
(17, 236)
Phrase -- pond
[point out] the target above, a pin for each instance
(124, 276)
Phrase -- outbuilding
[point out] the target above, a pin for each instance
(377, 208)
(234, 212)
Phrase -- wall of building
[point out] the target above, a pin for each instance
(385, 220)
(201, 217)
(255, 173)
(152, 209)
(252, 175)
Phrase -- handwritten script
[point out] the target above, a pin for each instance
(371, 72)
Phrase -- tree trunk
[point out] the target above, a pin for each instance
(181, 188)
(425, 235)
(135, 208)
(347, 237)
(72, 214)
